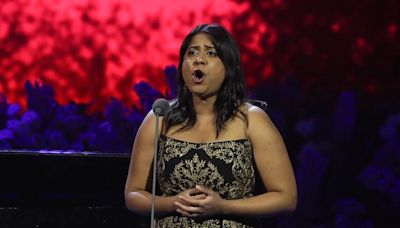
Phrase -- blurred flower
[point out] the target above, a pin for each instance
(105, 127)
(351, 213)
(170, 75)
(54, 140)
(30, 121)
(74, 125)
(5, 146)
(310, 171)
(147, 95)
(77, 146)
(107, 138)
(13, 110)
(381, 179)
(345, 117)
(40, 99)
(391, 129)
(305, 127)
(349, 206)
(345, 221)
(3, 110)
(115, 112)
(13, 125)
(88, 139)
(6, 135)
(395, 191)
(69, 109)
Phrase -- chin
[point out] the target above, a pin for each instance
(198, 91)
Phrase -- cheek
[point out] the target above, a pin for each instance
(185, 72)
(220, 72)
(186, 68)
(220, 81)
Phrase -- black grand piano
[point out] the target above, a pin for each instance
(64, 189)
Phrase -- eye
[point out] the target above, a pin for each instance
(212, 53)
(192, 52)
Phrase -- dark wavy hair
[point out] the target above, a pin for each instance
(232, 92)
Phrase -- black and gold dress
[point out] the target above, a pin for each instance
(225, 167)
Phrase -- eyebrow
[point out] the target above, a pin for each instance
(198, 46)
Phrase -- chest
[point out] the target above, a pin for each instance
(205, 131)
(222, 166)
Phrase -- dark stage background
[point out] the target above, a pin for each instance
(77, 78)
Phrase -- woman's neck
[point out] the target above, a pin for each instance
(204, 106)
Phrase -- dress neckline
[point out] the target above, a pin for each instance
(204, 143)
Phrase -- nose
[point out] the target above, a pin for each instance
(199, 60)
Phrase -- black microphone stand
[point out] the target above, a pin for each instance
(160, 108)
(153, 191)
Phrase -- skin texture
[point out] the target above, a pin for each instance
(202, 55)
(271, 158)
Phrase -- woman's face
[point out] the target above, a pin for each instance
(202, 69)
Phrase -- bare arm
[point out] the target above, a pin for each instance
(275, 169)
(137, 195)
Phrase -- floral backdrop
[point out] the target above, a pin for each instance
(81, 75)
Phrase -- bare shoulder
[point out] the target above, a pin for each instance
(256, 114)
(260, 124)
(148, 120)
(147, 127)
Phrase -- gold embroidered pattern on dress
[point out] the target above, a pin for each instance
(225, 167)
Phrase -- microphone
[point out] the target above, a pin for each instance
(160, 108)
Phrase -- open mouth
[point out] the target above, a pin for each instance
(198, 76)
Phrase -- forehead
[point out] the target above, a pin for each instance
(201, 39)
